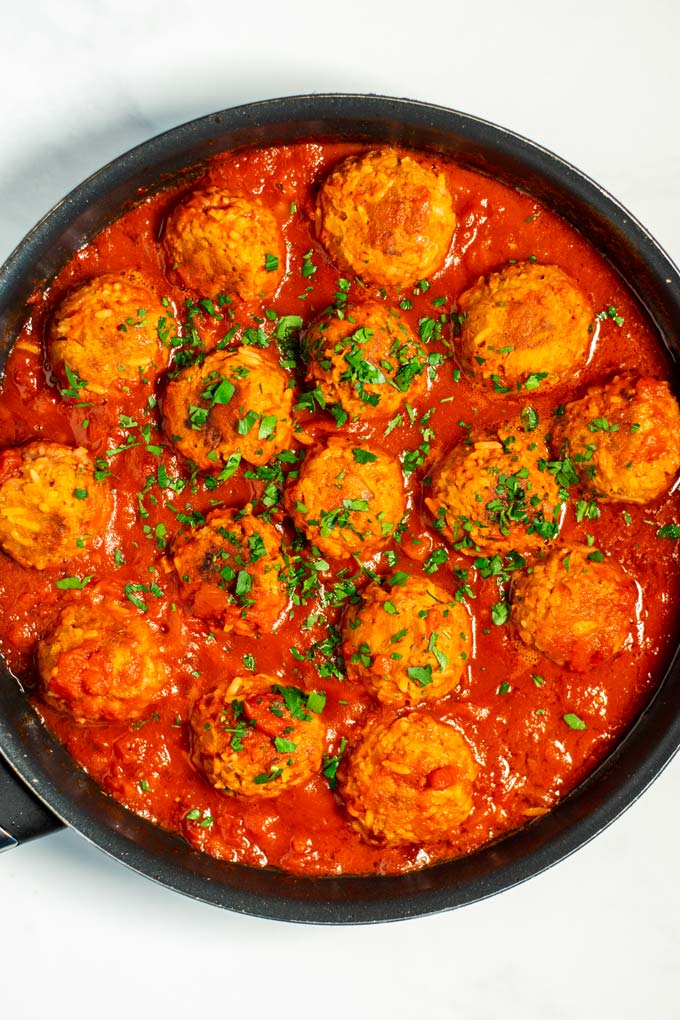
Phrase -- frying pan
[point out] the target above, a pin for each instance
(40, 786)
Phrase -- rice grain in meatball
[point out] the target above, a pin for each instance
(576, 607)
(257, 737)
(101, 662)
(349, 498)
(409, 780)
(491, 496)
(623, 438)
(106, 334)
(224, 243)
(368, 361)
(51, 507)
(525, 327)
(229, 570)
(386, 217)
(408, 643)
(234, 404)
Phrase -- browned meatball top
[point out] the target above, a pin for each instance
(256, 737)
(577, 607)
(409, 780)
(492, 495)
(408, 643)
(224, 243)
(386, 217)
(100, 662)
(230, 571)
(349, 498)
(51, 507)
(623, 438)
(106, 335)
(525, 327)
(368, 361)
(236, 404)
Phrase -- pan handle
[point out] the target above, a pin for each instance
(22, 815)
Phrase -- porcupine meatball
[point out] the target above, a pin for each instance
(234, 403)
(224, 243)
(368, 361)
(348, 499)
(51, 507)
(257, 737)
(623, 438)
(491, 496)
(101, 662)
(575, 607)
(386, 217)
(525, 326)
(408, 643)
(105, 334)
(410, 780)
(229, 570)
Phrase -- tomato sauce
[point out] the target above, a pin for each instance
(528, 756)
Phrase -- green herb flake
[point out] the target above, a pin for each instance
(533, 381)
(529, 418)
(284, 746)
(421, 674)
(363, 456)
(246, 423)
(73, 583)
(500, 613)
(330, 764)
(574, 721)
(316, 701)
(267, 777)
(267, 427)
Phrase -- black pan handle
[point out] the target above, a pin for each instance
(22, 815)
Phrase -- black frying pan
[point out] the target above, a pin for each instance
(61, 792)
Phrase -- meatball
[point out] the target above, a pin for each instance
(410, 780)
(623, 438)
(229, 570)
(576, 608)
(492, 496)
(234, 404)
(256, 737)
(368, 361)
(409, 643)
(349, 498)
(106, 334)
(224, 243)
(101, 662)
(386, 217)
(51, 507)
(526, 326)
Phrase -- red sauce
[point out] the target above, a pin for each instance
(528, 756)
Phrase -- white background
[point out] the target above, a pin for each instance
(599, 83)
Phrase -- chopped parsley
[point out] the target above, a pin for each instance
(73, 583)
(574, 721)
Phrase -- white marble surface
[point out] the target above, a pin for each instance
(598, 82)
